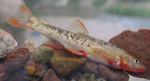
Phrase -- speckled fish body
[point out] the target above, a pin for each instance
(7, 43)
(77, 40)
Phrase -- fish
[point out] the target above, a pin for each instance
(77, 40)
(7, 43)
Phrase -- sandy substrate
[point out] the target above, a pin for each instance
(97, 28)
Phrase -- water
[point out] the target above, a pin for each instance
(127, 20)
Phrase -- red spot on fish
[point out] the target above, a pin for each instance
(140, 69)
(110, 62)
(83, 52)
(121, 64)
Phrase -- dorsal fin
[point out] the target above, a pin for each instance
(77, 27)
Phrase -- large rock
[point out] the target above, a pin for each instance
(65, 62)
(105, 72)
(18, 76)
(136, 43)
(16, 59)
(7, 43)
(4, 75)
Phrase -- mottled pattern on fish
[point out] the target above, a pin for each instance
(73, 39)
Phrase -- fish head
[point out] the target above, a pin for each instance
(130, 63)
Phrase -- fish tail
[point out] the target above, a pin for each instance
(22, 18)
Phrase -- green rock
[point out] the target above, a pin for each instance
(65, 62)
(43, 53)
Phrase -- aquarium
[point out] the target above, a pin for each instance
(74, 40)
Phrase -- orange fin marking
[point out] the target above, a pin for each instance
(83, 52)
(23, 7)
(14, 21)
(80, 22)
(54, 47)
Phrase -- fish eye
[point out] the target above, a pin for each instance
(136, 61)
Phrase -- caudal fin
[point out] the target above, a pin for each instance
(22, 18)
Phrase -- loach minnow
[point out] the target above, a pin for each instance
(77, 40)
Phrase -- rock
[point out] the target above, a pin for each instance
(4, 75)
(43, 53)
(35, 68)
(136, 43)
(65, 62)
(17, 59)
(32, 78)
(112, 74)
(86, 77)
(90, 67)
(50, 76)
(18, 76)
(7, 43)
(31, 48)
(105, 72)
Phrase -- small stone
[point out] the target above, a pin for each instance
(31, 48)
(50, 76)
(43, 54)
(65, 62)
(16, 59)
(30, 70)
(33, 67)
(136, 43)
(4, 75)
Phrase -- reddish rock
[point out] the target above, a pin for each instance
(106, 72)
(50, 76)
(90, 67)
(18, 76)
(136, 43)
(112, 74)
(4, 75)
(16, 59)
(35, 68)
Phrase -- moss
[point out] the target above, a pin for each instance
(128, 10)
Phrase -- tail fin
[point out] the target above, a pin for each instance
(22, 18)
